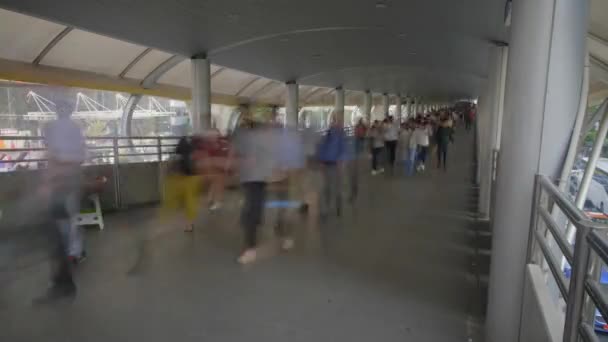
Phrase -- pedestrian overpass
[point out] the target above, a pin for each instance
(411, 261)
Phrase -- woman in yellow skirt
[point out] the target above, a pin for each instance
(183, 183)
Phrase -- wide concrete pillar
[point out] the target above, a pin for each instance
(545, 71)
(201, 94)
(291, 104)
(339, 105)
(367, 106)
(399, 111)
(489, 123)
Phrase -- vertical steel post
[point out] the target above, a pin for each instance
(576, 291)
(116, 172)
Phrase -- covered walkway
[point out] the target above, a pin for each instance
(400, 265)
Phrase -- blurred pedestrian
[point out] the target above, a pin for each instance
(391, 136)
(255, 154)
(215, 150)
(66, 151)
(422, 134)
(408, 147)
(377, 145)
(360, 136)
(330, 154)
(443, 137)
(183, 183)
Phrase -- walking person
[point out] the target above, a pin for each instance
(360, 136)
(391, 136)
(256, 157)
(377, 145)
(66, 152)
(330, 154)
(61, 191)
(443, 136)
(408, 147)
(422, 133)
(215, 152)
(182, 185)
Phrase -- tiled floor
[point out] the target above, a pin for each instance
(395, 267)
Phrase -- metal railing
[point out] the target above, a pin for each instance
(112, 151)
(101, 150)
(581, 293)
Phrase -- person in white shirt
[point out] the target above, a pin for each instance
(66, 151)
(422, 134)
(376, 136)
(409, 146)
(391, 136)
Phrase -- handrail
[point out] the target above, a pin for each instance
(590, 244)
(573, 213)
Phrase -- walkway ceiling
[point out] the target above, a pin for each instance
(431, 48)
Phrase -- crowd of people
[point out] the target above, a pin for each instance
(311, 167)
(286, 166)
(408, 142)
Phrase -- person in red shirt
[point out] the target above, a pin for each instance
(215, 148)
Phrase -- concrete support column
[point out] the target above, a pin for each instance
(489, 124)
(367, 106)
(339, 107)
(399, 111)
(201, 94)
(386, 104)
(542, 96)
(291, 105)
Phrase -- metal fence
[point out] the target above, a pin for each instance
(28, 152)
(581, 291)
(25, 152)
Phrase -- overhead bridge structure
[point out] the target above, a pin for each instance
(498, 249)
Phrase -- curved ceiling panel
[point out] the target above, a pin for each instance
(146, 64)
(599, 22)
(354, 98)
(403, 80)
(190, 27)
(288, 40)
(274, 94)
(598, 48)
(254, 87)
(230, 81)
(307, 55)
(323, 96)
(87, 51)
(22, 37)
(180, 75)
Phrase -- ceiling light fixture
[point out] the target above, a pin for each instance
(316, 55)
(381, 4)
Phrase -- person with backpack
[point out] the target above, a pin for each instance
(330, 156)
